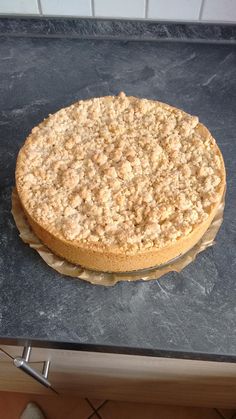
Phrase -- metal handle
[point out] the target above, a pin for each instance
(22, 363)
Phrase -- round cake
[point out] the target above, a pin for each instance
(119, 183)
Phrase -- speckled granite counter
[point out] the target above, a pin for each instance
(191, 314)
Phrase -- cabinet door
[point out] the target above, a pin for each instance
(13, 379)
(139, 378)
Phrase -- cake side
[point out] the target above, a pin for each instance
(114, 261)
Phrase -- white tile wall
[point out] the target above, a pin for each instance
(174, 9)
(19, 6)
(66, 7)
(120, 8)
(193, 10)
(223, 10)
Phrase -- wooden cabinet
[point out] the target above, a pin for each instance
(126, 377)
(13, 379)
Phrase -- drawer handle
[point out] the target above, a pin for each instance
(23, 364)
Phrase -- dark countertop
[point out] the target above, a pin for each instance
(104, 28)
(191, 314)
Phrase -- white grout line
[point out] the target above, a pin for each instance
(93, 8)
(39, 7)
(201, 10)
(146, 8)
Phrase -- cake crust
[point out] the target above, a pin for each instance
(155, 236)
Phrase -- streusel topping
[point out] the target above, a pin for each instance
(120, 171)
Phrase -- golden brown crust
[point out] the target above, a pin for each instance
(99, 255)
(106, 261)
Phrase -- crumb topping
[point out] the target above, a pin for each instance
(120, 171)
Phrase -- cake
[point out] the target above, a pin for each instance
(119, 183)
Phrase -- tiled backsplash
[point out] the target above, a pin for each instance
(180, 10)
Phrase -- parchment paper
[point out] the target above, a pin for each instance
(108, 278)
